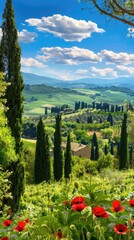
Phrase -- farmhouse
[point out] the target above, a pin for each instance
(78, 149)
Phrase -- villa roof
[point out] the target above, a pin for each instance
(75, 146)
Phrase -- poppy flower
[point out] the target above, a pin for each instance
(59, 233)
(65, 202)
(20, 227)
(131, 202)
(27, 220)
(117, 206)
(120, 229)
(100, 212)
(7, 223)
(78, 207)
(4, 238)
(77, 200)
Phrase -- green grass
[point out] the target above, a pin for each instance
(59, 98)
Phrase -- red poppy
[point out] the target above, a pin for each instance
(131, 202)
(59, 233)
(77, 200)
(66, 202)
(4, 238)
(117, 206)
(120, 229)
(100, 212)
(27, 220)
(7, 223)
(20, 227)
(78, 207)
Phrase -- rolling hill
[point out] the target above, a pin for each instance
(33, 79)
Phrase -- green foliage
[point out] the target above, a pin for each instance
(94, 148)
(11, 56)
(105, 161)
(123, 150)
(16, 168)
(29, 158)
(107, 133)
(7, 144)
(4, 186)
(81, 136)
(58, 158)
(42, 158)
(68, 158)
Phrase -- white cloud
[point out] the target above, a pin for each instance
(117, 58)
(105, 72)
(126, 70)
(31, 62)
(71, 56)
(97, 72)
(65, 27)
(26, 37)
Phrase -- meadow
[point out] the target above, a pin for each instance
(97, 207)
(51, 97)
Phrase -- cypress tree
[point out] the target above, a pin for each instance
(131, 156)
(11, 55)
(95, 148)
(112, 148)
(42, 159)
(106, 149)
(1, 59)
(58, 158)
(92, 157)
(47, 172)
(123, 152)
(68, 158)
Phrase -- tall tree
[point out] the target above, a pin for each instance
(106, 149)
(58, 158)
(10, 63)
(131, 156)
(94, 148)
(123, 151)
(42, 159)
(68, 158)
(121, 10)
(11, 54)
(112, 148)
(47, 170)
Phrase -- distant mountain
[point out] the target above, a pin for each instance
(33, 79)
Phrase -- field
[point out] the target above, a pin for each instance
(51, 98)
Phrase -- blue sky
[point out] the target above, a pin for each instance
(58, 39)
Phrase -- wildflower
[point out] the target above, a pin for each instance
(4, 238)
(20, 227)
(131, 202)
(77, 200)
(120, 229)
(27, 220)
(100, 212)
(59, 233)
(7, 223)
(117, 206)
(65, 202)
(78, 207)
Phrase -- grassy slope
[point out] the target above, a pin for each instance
(59, 96)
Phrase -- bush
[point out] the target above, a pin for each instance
(105, 161)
